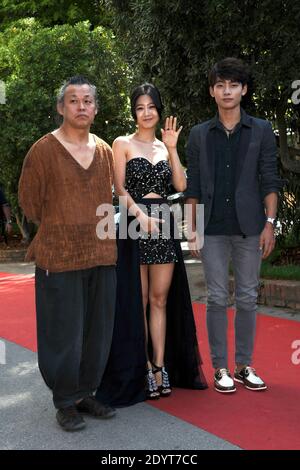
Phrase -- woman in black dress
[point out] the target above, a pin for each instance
(154, 342)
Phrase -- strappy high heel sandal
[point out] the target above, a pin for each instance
(152, 388)
(165, 389)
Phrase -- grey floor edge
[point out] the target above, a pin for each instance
(28, 418)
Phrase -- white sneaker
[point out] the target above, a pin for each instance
(224, 382)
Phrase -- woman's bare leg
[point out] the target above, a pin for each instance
(153, 392)
(144, 270)
(160, 278)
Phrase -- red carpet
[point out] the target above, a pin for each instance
(250, 420)
(17, 309)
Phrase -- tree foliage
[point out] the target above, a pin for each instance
(175, 43)
(53, 12)
(34, 62)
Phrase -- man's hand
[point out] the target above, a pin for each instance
(267, 240)
(8, 228)
(195, 244)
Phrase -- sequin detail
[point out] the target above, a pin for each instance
(158, 248)
(142, 178)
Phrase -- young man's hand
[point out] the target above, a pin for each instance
(8, 228)
(267, 240)
(195, 244)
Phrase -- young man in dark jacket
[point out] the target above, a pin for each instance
(232, 170)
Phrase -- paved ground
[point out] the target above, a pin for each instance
(28, 419)
(27, 414)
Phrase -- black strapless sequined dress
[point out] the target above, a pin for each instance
(124, 379)
(142, 178)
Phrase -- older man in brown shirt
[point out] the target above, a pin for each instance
(66, 176)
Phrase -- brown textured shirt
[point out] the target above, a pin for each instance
(63, 197)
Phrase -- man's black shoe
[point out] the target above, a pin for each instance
(93, 407)
(69, 419)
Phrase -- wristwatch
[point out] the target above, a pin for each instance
(271, 220)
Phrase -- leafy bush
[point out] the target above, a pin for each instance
(34, 62)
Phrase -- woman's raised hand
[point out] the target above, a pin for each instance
(169, 133)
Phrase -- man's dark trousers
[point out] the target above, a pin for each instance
(75, 318)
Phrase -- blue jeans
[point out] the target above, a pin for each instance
(245, 255)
